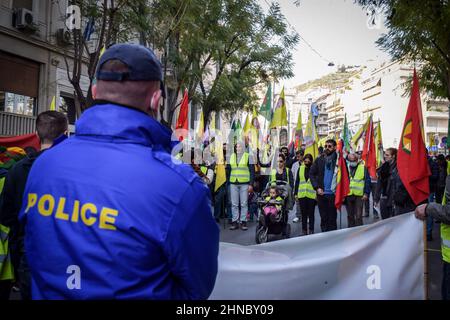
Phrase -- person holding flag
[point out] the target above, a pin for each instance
(379, 161)
(413, 168)
(323, 179)
(359, 190)
(342, 177)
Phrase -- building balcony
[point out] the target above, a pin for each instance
(436, 114)
(12, 124)
(439, 129)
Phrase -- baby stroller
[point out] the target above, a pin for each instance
(277, 225)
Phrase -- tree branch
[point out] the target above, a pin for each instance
(444, 55)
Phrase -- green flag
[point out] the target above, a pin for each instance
(266, 107)
(346, 136)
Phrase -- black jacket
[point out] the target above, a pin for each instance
(11, 203)
(391, 187)
(434, 168)
(317, 172)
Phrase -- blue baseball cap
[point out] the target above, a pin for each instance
(142, 63)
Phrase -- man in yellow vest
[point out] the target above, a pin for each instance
(240, 174)
(442, 214)
(360, 184)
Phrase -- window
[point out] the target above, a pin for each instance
(67, 106)
(16, 103)
(19, 84)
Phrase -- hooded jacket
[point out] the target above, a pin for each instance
(109, 215)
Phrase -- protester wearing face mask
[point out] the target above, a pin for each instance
(323, 176)
(359, 190)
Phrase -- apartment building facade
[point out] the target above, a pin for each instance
(384, 96)
(33, 41)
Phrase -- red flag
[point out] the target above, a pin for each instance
(369, 154)
(182, 121)
(412, 164)
(343, 180)
(23, 141)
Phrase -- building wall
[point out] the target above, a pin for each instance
(42, 48)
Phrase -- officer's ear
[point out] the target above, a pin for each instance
(94, 91)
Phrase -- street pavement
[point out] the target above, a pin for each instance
(433, 254)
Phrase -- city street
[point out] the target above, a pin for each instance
(434, 251)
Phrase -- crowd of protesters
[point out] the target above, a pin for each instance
(313, 183)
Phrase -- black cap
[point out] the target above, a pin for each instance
(142, 63)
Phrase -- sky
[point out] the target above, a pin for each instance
(337, 29)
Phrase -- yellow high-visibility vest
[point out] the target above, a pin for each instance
(357, 182)
(239, 172)
(273, 177)
(445, 235)
(6, 269)
(305, 188)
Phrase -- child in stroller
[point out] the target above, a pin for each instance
(271, 208)
(274, 211)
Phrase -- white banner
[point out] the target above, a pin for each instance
(384, 260)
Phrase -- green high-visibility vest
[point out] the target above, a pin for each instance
(6, 269)
(273, 177)
(445, 236)
(239, 172)
(357, 182)
(204, 169)
(2, 183)
(305, 188)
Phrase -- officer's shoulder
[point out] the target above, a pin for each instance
(184, 171)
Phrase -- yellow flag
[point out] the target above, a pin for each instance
(360, 134)
(220, 172)
(102, 51)
(279, 117)
(379, 144)
(201, 126)
(53, 104)
(212, 124)
(247, 125)
(311, 142)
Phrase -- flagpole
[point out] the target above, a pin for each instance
(425, 260)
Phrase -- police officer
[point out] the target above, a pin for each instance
(109, 214)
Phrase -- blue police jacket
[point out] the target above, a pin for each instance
(109, 215)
